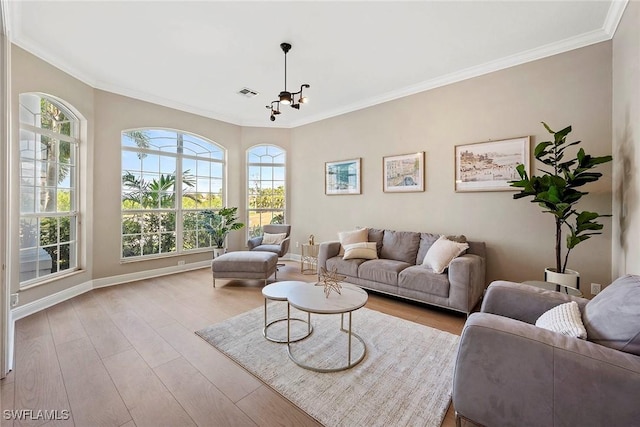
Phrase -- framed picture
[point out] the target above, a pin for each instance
(342, 177)
(403, 173)
(489, 166)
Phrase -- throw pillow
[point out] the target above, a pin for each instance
(364, 250)
(442, 252)
(349, 237)
(565, 319)
(273, 239)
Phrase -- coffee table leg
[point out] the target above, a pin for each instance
(288, 323)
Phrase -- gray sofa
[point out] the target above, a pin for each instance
(399, 270)
(511, 373)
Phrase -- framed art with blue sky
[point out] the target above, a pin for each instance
(342, 177)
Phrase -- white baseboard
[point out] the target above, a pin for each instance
(147, 274)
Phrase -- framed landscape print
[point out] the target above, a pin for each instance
(403, 173)
(489, 166)
(342, 177)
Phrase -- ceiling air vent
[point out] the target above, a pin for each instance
(245, 91)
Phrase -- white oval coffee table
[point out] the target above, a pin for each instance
(312, 300)
(278, 291)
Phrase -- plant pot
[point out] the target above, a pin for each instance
(569, 278)
(218, 251)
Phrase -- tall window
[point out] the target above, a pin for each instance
(49, 141)
(266, 173)
(168, 178)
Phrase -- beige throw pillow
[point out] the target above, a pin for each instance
(349, 237)
(364, 250)
(442, 252)
(273, 239)
(564, 319)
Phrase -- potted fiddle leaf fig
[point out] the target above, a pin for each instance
(556, 191)
(218, 224)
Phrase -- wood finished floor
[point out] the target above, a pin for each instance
(126, 355)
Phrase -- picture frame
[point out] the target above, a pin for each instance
(489, 166)
(343, 177)
(403, 173)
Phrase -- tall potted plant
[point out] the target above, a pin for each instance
(555, 190)
(218, 224)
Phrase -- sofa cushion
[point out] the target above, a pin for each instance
(364, 250)
(400, 246)
(347, 267)
(422, 279)
(376, 235)
(426, 240)
(382, 270)
(612, 318)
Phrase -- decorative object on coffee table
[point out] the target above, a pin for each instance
(555, 191)
(330, 280)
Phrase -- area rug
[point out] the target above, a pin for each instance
(405, 378)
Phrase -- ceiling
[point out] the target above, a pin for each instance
(196, 56)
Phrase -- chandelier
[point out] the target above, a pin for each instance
(285, 97)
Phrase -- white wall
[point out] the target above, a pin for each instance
(573, 88)
(626, 143)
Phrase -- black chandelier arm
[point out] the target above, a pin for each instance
(285, 97)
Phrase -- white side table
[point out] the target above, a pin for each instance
(309, 258)
(278, 292)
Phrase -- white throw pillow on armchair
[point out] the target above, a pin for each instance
(273, 239)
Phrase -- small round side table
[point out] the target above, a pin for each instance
(278, 292)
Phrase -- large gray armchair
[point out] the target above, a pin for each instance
(255, 243)
(511, 373)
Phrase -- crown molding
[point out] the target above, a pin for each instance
(566, 45)
(611, 22)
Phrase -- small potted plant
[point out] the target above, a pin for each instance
(218, 224)
(555, 191)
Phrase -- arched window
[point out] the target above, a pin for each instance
(266, 187)
(49, 139)
(168, 178)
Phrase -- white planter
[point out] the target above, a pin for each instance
(569, 278)
(218, 251)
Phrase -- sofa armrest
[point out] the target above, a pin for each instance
(254, 242)
(510, 373)
(523, 302)
(467, 281)
(327, 250)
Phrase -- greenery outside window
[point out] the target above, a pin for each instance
(49, 139)
(266, 192)
(168, 179)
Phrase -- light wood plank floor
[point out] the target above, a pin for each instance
(127, 356)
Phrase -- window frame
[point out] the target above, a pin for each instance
(74, 213)
(178, 208)
(249, 164)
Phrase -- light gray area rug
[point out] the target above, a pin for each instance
(405, 378)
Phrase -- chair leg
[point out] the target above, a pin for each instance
(214, 282)
(458, 420)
